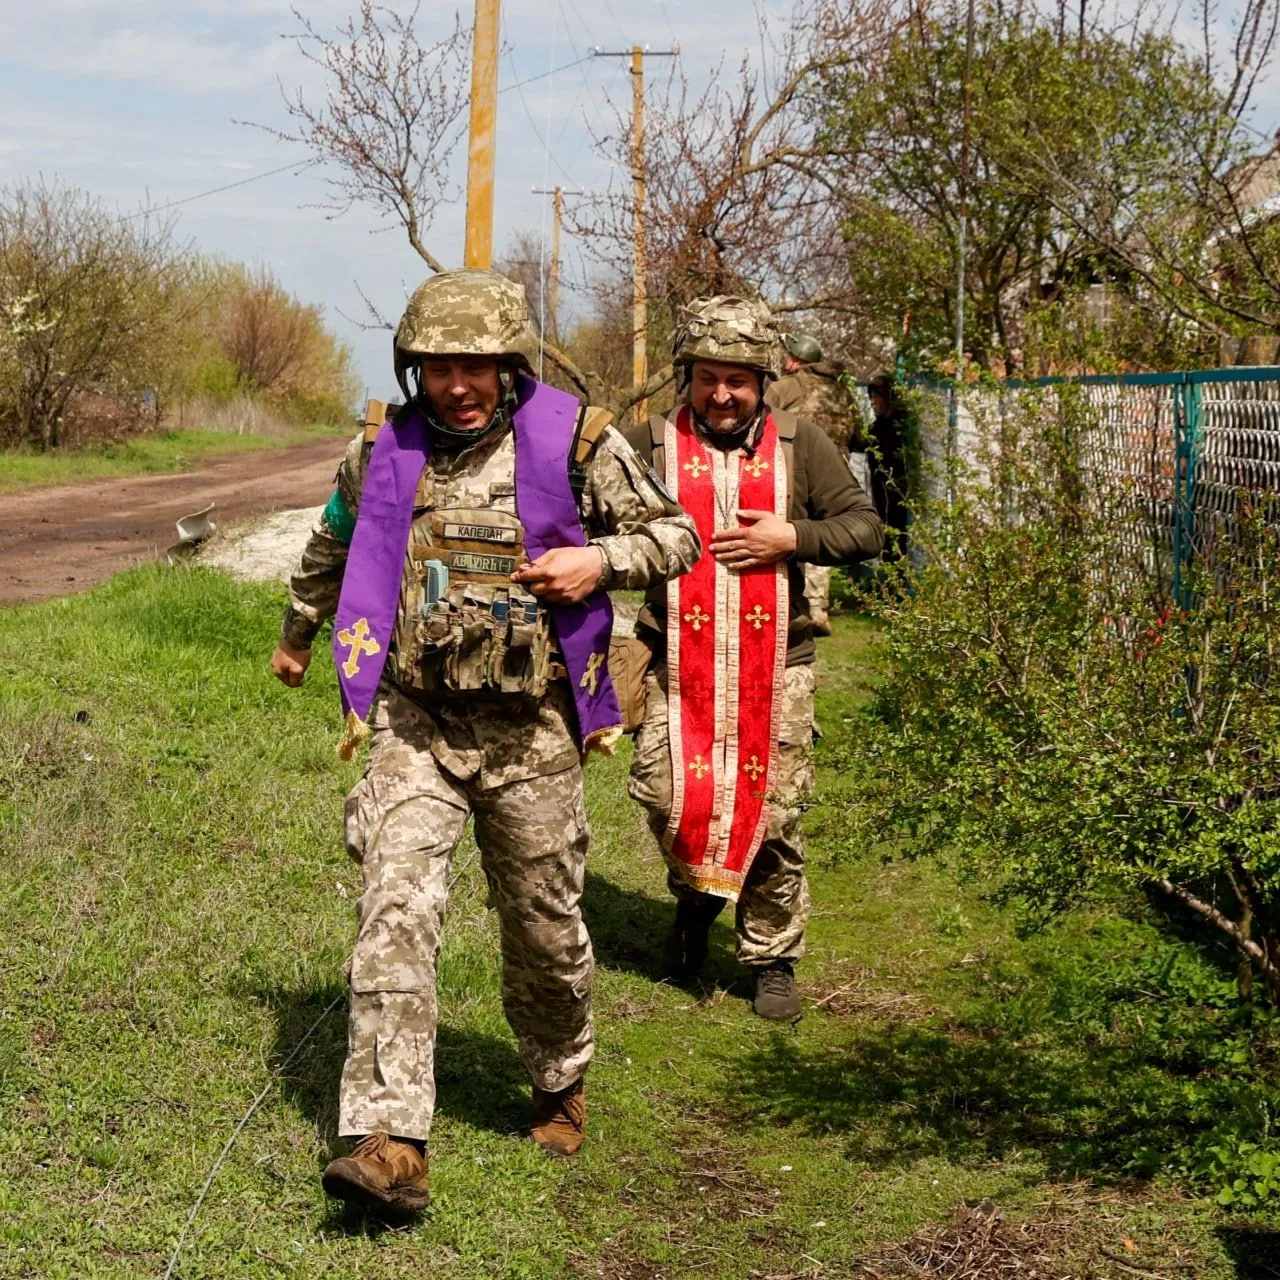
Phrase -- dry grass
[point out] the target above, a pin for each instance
(850, 991)
(980, 1245)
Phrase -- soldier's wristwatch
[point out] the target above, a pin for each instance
(606, 569)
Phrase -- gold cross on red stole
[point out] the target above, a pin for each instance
(698, 766)
(697, 617)
(753, 768)
(757, 617)
(357, 638)
(756, 466)
(697, 465)
(591, 676)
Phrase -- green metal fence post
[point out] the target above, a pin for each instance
(1186, 452)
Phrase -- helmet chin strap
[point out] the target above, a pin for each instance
(740, 433)
(498, 421)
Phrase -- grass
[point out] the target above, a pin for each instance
(166, 451)
(178, 908)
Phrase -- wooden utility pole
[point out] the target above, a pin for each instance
(557, 195)
(639, 291)
(483, 130)
(639, 287)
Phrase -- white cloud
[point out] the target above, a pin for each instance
(168, 59)
(134, 99)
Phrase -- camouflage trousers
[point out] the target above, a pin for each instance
(773, 908)
(403, 821)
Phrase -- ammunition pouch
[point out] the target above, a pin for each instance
(629, 660)
(465, 627)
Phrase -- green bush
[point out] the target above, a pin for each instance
(1048, 719)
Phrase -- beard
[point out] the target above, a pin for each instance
(721, 426)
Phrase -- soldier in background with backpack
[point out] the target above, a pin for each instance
(723, 758)
(810, 387)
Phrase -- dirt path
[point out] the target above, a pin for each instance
(66, 538)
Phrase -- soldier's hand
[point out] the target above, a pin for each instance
(759, 538)
(289, 664)
(564, 575)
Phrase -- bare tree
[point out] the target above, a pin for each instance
(390, 116)
(739, 181)
(263, 331)
(1197, 228)
(524, 261)
(86, 301)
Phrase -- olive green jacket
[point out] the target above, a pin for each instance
(834, 519)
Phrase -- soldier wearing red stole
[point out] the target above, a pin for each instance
(723, 759)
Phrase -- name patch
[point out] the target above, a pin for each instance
(480, 533)
(475, 562)
(503, 489)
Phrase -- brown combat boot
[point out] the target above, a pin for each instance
(381, 1173)
(560, 1119)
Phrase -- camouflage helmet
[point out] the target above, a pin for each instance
(802, 347)
(470, 312)
(728, 330)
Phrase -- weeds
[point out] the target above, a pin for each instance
(178, 908)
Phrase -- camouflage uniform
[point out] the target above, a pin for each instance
(835, 523)
(813, 392)
(773, 908)
(457, 730)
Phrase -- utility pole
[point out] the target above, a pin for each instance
(953, 416)
(483, 130)
(553, 282)
(639, 293)
(966, 113)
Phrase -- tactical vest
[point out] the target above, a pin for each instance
(463, 626)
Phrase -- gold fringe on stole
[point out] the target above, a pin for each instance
(355, 731)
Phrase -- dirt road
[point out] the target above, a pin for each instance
(54, 541)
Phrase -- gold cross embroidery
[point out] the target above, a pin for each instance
(698, 767)
(591, 676)
(697, 617)
(757, 617)
(756, 466)
(696, 466)
(357, 638)
(753, 768)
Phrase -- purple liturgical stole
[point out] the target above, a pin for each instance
(544, 423)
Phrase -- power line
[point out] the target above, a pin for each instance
(667, 19)
(555, 71)
(616, 23)
(533, 124)
(299, 165)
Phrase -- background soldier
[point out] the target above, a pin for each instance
(888, 448)
(723, 759)
(474, 587)
(810, 388)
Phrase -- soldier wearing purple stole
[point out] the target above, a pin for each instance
(465, 556)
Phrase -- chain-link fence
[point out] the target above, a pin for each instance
(1168, 457)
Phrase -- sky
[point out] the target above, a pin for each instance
(137, 101)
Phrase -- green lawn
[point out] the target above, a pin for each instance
(177, 908)
(163, 452)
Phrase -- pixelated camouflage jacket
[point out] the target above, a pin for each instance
(644, 536)
(813, 392)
